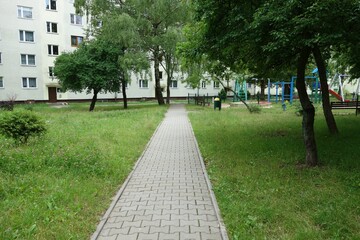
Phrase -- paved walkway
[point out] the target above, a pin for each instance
(168, 195)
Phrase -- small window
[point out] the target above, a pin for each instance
(216, 85)
(203, 84)
(143, 83)
(160, 74)
(53, 50)
(76, 40)
(1, 82)
(0, 58)
(173, 84)
(26, 36)
(51, 72)
(24, 12)
(28, 59)
(75, 19)
(51, 27)
(28, 82)
(50, 4)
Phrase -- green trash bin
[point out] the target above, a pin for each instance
(217, 103)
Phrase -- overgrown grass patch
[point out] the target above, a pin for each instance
(255, 162)
(58, 186)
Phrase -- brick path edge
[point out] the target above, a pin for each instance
(105, 217)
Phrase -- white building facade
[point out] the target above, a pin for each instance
(34, 32)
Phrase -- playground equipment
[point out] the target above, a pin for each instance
(337, 80)
(287, 91)
(240, 90)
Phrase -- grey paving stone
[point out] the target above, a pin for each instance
(169, 236)
(212, 236)
(190, 236)
(152, 236)
(167, 195)
(108, 237)
(127, 237)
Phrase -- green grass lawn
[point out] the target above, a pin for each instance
(58, 186)
(263, 190)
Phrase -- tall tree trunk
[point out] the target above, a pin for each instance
(262, 89)
(330, 120)
(158, 92)
(308, 111)
(168, 89)
(123, 89)
(93, 100)
(169, 72)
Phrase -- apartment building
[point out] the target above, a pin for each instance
(34, 33)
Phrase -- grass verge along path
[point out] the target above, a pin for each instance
(58, 186)
(263, 190)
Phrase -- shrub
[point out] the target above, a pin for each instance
(20, 125)
(7, 105)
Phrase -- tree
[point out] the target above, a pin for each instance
(152, 19)
(92, 67)
(170, 64)
(120, 30)
(268, 35)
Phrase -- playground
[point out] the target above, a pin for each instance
(343, 94)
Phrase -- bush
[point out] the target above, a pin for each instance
(20, 125)
(7, 105)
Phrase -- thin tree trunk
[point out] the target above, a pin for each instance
(308, 111)
(168, 90)
(262, 89)
(330, 120)
(158, 92)
(93, 101)
(169, 72)
(123, 89)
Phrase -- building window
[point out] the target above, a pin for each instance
(160, 74)
(75, 19)
(24, 12)
(76, 40)
(1, 82)
(173, 84)
(51, 27)
(53, 50)
(28, 82)
(26, 36)
(0, 58)
(143, 83)
(28, 59)
(216, 84)
(203, 84)
(51, 72)
(50, 4)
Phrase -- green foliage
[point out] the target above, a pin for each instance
(152, 25)
(91, 67)
(20, 125)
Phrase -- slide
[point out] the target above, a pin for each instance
(335, 94)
